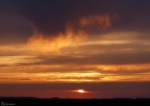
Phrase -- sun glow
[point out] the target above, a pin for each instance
(81, 91)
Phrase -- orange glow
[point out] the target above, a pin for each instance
(107, 73)
(54, 44)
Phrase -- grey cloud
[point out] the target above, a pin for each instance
(125, 72)
(133, 46)
(106, 58)
(13, 28)
(51, 17)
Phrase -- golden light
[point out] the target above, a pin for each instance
(81, 91)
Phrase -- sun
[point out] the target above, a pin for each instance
(81, 90)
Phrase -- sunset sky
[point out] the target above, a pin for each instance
(52, 48)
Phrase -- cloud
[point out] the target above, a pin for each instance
(103, 22)
(24, 79)
(13, 28)
(49, 19)
(105, 58)
(47, 44)
(117, 54)
(75, 35)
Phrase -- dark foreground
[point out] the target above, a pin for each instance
(28, 101)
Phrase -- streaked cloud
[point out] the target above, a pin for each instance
(74, 41)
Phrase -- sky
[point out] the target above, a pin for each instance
(52, 48)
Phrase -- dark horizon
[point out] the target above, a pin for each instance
(24, 101)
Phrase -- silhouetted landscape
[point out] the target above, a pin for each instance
(26, 101)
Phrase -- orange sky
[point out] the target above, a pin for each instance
(74, 42)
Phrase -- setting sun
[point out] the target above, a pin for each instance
(81, 91)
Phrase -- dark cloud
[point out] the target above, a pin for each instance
(13, 28)
(105, 58)
(120, 47)
(101, 59)
(126, 72)
(76, 78)
(51, 17)
(4, 65)
(24, 79)
(135, 16)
